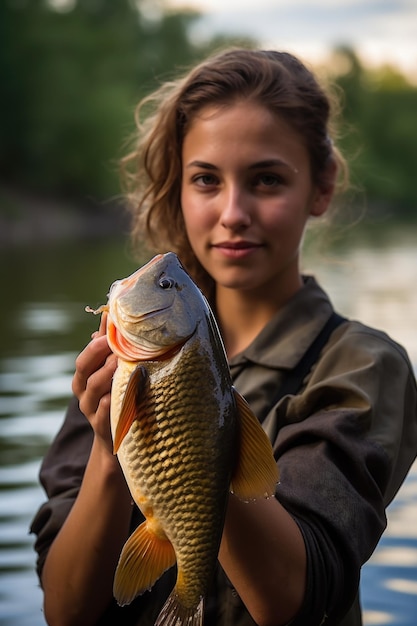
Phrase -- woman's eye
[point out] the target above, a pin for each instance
(268, 180)
(205, 180)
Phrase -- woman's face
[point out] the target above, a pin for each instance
(246, 196)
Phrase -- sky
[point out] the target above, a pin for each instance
(380, 31)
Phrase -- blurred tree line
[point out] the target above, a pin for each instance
(71, 74)
(72, 71)
(379, 132)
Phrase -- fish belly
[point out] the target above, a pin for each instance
(177, 459)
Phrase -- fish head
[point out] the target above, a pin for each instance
(153, 311)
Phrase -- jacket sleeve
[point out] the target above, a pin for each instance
(61, 475)
(344, 447)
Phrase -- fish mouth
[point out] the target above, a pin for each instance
(134, 318)
(124, 342)
(140, 325)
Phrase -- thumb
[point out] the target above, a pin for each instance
(101, 332)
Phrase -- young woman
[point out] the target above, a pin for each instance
(231, 163)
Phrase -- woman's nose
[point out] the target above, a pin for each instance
(235, 211)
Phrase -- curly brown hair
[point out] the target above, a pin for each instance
(152, 171)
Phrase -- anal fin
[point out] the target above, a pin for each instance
(144, 558)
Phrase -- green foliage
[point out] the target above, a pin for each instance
(70, 80)
(72, 72)
(380, 117)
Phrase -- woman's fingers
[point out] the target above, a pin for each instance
(103, 325)
(102, 328)
(91, 359)
(94, 369)
(97, 385)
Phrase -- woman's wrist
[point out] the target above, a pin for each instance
(105, 463)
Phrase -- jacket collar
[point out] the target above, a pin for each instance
(285, 339)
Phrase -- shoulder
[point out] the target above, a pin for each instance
(366, 367)
(355, 342)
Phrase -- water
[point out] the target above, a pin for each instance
(44, 292)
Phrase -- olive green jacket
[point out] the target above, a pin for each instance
(344, 444)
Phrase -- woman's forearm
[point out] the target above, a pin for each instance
(263, 554)
(78, 574)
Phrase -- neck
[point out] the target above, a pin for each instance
(242, 315)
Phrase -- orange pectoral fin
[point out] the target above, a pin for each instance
(131, 403)
(144, 558)
(256, 472)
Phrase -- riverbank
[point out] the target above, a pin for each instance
(28, 219)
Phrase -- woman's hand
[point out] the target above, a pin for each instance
(77, 578)
(79, 569)
(94, 369)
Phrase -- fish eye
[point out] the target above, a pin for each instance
(166, 283)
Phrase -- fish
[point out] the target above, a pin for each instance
(183, 435)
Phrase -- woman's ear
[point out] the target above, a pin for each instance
(324, 190)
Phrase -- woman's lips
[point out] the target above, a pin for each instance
(236, 249)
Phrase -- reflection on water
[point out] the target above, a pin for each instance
(44, 326)
(389, 580)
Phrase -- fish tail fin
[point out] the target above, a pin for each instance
(144, 558)
(173, 613)
(256, 473)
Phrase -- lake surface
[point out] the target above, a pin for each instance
(44, 326)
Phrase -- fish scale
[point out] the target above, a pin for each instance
(181, 433)
(184, 471)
